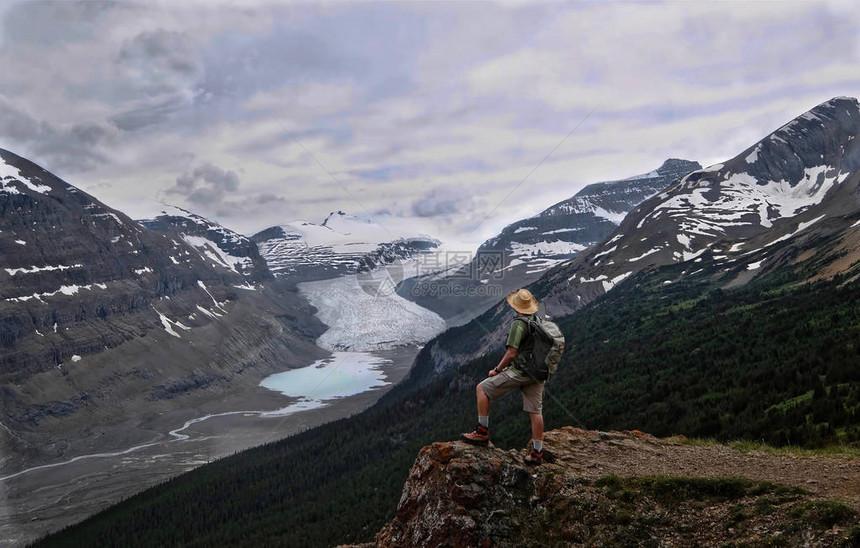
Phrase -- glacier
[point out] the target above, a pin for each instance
(361, 321)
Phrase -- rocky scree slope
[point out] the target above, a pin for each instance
(103, 321)
(623, 488)
(343, 244)
(524, 250)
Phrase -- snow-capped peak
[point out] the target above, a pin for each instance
(337, 246)
(340, 229)
(336, 218)
(359, 227)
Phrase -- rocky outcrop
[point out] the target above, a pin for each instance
(621, 488)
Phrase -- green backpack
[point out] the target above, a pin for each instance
(548, 347)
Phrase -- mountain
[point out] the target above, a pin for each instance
(566, 228)
(753, 338)
(524, 250)
(750, 214)
(786, 199)
(342, 244)
(105, 323)
(215, 243)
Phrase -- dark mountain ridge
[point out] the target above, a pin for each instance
(102, 318)
(215, 243)
(58, 242)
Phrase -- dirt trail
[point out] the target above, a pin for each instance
(595, 454)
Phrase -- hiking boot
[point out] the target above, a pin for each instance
(534, 458)
(481, 436)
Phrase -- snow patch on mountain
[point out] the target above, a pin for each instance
(647, 253)
(8, 172)
(650, 175)
(586, 204)
(169, 324)
(753, 156)
(608, 284)
(306, 234)
(34, 269)
(209, 249)
(708, 207)
(614, 216)
(219, 304)
(541, 256)
(559, 247)
(67, 290)
(800, 227)
(342, 233)
(608, 251)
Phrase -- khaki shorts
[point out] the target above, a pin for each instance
(499, 385)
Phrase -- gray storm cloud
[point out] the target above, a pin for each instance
(405, 101)
(207, 184)
(441, 202)
(75, 148)
(160, 71)
(159, 54)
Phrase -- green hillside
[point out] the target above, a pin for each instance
(772, 361)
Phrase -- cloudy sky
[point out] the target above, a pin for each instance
(428, 117)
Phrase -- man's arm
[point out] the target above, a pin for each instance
(506, 361)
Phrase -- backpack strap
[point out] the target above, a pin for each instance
(532, 317)
(528, 320)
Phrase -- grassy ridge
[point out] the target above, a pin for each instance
(677, 358)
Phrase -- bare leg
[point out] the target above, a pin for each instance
(537, 425)
(483, 402)
(481, 435)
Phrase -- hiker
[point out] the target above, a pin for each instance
(509, 375)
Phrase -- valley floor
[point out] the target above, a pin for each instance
(43, 499)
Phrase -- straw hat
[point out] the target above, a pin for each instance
(523, 301)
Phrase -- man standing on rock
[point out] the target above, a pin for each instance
(508, 375)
